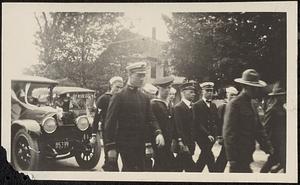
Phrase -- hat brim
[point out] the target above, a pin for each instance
(277, 94)
(260, 83)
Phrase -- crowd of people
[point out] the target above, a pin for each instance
(143, 126)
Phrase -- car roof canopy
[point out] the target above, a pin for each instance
(62, 90)
(34, 79)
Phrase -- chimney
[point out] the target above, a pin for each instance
(153, 33)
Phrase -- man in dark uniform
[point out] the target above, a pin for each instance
(183, 116)
(241, 125)
(205, 126)
(129, 123)
(221, 160)
(164, 158)
(116, 84)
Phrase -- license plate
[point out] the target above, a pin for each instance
(61, 145)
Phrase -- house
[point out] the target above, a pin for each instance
(131, 47)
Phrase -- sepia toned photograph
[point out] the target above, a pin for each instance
(185, 92)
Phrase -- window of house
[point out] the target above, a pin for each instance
(153, 71)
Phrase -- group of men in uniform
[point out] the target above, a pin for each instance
(143, 123)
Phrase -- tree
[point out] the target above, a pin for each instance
(70, 43)
(219, 46)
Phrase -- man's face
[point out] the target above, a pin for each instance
(189, 94)
(164, 91)
(116, 87)
(171, 96)
(137, 79)
(207, 93)
(230, 96)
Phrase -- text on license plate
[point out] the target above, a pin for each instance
(61, 144)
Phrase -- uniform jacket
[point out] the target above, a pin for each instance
(183, 116)
(102, 105)
(241, 129)
(129, 120)
(206, 120)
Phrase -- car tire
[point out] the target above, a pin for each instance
(25, 151)
(83, 159)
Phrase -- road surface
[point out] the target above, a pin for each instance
(71, 165)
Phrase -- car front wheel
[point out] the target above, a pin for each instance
(25, 151)
(88, 157)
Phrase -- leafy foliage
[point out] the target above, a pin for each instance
(71, 42)
(219, 46)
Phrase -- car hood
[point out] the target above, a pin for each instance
(39, 113)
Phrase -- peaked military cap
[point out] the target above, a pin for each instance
(207, 85)
(187, 86)
(138, 67)
(164, 81)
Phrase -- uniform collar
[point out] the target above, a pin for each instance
(187, 102)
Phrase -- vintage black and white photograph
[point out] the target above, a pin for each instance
(179, 91)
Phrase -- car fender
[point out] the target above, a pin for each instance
(31, 126)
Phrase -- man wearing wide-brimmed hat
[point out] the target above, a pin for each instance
(275, 125)
(221, 161)
(241, 125)
(129, 122)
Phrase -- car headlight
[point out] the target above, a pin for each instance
(49, 125)
(82, 123)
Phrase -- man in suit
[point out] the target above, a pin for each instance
(116, 84)
(221, 160)
(205, 126)
(129, 122)
(242, 126)
(164, 158)
(183, 128)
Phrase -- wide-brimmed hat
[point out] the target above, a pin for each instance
(251, 77)
(277, 90)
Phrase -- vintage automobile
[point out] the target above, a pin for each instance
(41, 130)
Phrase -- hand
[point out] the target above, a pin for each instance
(93, 140)
(149, 152)
(112, 155)
(159, 140)
(211, 138)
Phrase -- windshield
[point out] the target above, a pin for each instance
(39, 95)
(75, 101)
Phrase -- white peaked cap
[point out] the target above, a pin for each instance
(150, 88)
(232, 90)
(115, 78)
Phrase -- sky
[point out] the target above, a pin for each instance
(22, 52)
